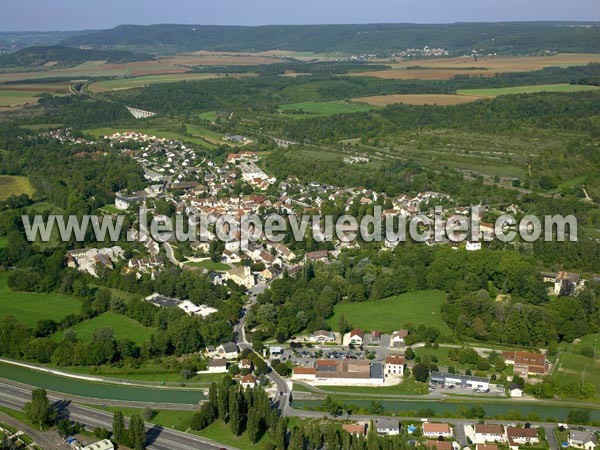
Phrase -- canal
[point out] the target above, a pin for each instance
(411, 408)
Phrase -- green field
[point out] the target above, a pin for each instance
(221, 432)
(324, 109)
(167, 418)
(572, 367)
(123, 328)
(111, 209)
(208, 265)
(134, 82)
(13, 185)
(3, 241)
(198, 131)
(527, 89)
(211, 116)
(29, 308)
(409, 386)
(393, 313)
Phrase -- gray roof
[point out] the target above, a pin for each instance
(438, 376)
(217, 363)
(376, 370)
(229, 347)
(385, 423)
(582, 436)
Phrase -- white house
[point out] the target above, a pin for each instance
(356, 337)
(390, 427)
(521, 436)
(217, 366)
(229, 350)
(515, 391)
(583, 439)
(394, 366)
(322, 336)
(435, 430)
(249, 381)
(487, 433)
(398, 338)
(106, 444)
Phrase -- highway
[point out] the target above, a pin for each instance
(158, 438)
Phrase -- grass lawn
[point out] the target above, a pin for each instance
(325, 108)
(123, 327)
(111, 209)
(3, 241)
(195, 130)
(221, 432)
(527, 89)
(13, 185)
(211, 116)
(408, 386)
(209, 265)
(167, 418)
(29, 307)
(393, 313)
(574, 368)
(133, 82)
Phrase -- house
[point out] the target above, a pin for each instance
(583, 439)
(124, 201)
(488, 433)
(435, 430)
(217, 366)
(275, 350)
(515, 391)
(322, 336)
(304, 373)
(566, 282)
(356, 337)
(486, 447)
(375, 337)
(249, 381)
(390, 427)
(106, 444)
(229, 350)
(321, 255)
(394, 366)
(438, 445)
(241, 276)
(527, 363)
(355, 429)
(464, 381)
(521, 436)
(399, 338)
(245, 364)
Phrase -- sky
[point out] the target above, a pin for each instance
(52, 15)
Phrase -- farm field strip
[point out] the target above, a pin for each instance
(494, 92)
(417, 99)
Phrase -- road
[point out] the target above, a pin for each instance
(158, 438)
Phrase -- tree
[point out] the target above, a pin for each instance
(235, 411)
(39, 411)
(253, 425)
(409, 354)
(421, 372)
(137, 433)
(118, 427)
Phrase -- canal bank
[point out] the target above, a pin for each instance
(97, 390)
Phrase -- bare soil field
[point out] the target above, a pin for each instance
(423, 74)
(417, 99)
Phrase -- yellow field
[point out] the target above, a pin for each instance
(446, 68)
(417, 99)
(22, 94)
(134, 82)
(13, 185)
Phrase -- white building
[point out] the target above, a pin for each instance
(217, 366)
(390, 427)
(435, 430)
(106, 444)
(394, 366)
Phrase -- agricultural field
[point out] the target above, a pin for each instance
(420, 307)
(417, 99)
(20, 94)
(221, 432)
(447, 68)
(211, 136)
(120, 84)
(211, 116)
(526, 90)
(323, 109)
(14, 185)
(575, 368)
(123, 328)
(30, 307)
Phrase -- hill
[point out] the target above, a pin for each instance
(60, 55)
(458, 38)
